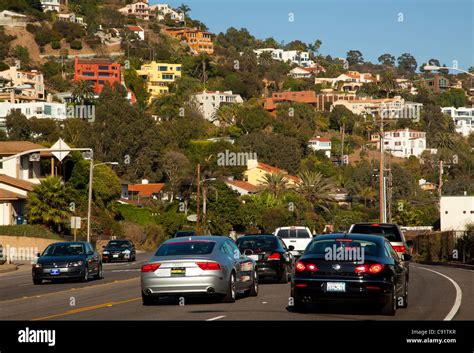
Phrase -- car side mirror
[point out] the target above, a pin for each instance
(406, 257)
(38, 254)
(410, 243)
(291, 248)
(103, 246)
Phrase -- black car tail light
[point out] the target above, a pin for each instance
(274, 256)
(302, 267)
(367, 268)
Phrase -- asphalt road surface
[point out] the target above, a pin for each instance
(447, 293)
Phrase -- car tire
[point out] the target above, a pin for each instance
(253, 291)
(100, 273)
(149, 300)
(231, 292)
(85, 276)
(284, 276)
(37, 281)
(298, 305)
(390, 307)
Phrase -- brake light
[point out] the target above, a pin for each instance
(209, 266)
(150, 267)
(347, 240)
(303, 285)
(274, 256)
(373, 269)
(375, 225)
(399, 248)
(300, 267)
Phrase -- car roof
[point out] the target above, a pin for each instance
(357, 236)
(258, 235)
(69, 242)
(216, 238)
(375, 224)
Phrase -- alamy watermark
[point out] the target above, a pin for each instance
(234, 159)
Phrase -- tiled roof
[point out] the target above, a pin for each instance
(134, 28)
(15, 182)
(321, 139)
(242, 185)
(6, 195)
(146, 189)
(271, 169)
(14, 147)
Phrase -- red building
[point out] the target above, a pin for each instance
(97, 71)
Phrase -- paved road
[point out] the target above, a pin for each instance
(117, 297)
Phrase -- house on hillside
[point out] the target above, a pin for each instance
(319, 143)
(18, 176)
(12, 19)
(404, 143)
(138, 9)
(50, 5)
(138, 31)
(242, 187)
(23, 85)
(139, 193)
(256, 171)
(209, 102)
(162, 10)
(198, 40)
(158, 77)
(463, 119)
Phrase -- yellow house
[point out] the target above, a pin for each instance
(158, 76)
(256, 171)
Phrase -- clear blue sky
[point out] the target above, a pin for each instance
(441, 29)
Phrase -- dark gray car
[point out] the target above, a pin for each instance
(198, 265)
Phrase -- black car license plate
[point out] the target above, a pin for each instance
(178, 271)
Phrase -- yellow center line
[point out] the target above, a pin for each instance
(69, 290)
(87, 308)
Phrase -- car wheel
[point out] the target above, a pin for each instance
(149, 300)
(284, 276)
(231, 293)
(100, 273)
(253, 291)
(85, 276)
(37, 281)
(390, 308)
(405, 295)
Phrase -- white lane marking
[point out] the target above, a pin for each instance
(457, 301)
(264, 302)
(127, 270)
(24, 284)
(216, 318)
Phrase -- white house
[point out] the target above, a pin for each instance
(17, 177)
(164, 9)
(456, 212)
(40, 110)
(350, 81)
(12, 19)
(138, 31)
(294, 56)
(463, 119)
(50, 5)
(320, 144)
(208, 102)
(404, 143)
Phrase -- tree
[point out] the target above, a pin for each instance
(48, 203)
(184, 10)
(315, 46)
(21, 53)
(18, 127)
(407, 63)
(387, 60)
(274, 183)
(82, 92)
(315, 188)
(176, 167)
(354, 57)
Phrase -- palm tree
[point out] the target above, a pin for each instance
(274, 183)
(368, 194)
(184, 9)
(48, 203)
(315, 188)
(82, 91)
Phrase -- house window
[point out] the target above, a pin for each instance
(102, 67)
(162, 68)
(48, 110)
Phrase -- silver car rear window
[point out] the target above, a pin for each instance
(186, 248)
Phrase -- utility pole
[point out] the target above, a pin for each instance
(381, 177)
(198, 201)
(440, 182)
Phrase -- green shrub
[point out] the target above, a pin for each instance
(56, 45)
(28, 230)
(76, 44)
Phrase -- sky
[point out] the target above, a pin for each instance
(440, 29)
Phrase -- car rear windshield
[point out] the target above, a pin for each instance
(64, 250)
(388, 231)
(186, 248)
(118, 244)
(293, 233)
(257, 243)
(324, 246)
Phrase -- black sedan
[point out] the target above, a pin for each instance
(351, 267)
(273, 258)
(66, 260)
(119, 250)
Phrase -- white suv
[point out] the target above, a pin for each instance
(297, 237)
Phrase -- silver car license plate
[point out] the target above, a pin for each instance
(55, 271)
(335, 287)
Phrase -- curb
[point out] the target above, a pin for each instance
(8, 268)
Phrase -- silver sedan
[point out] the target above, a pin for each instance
(198, 265)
